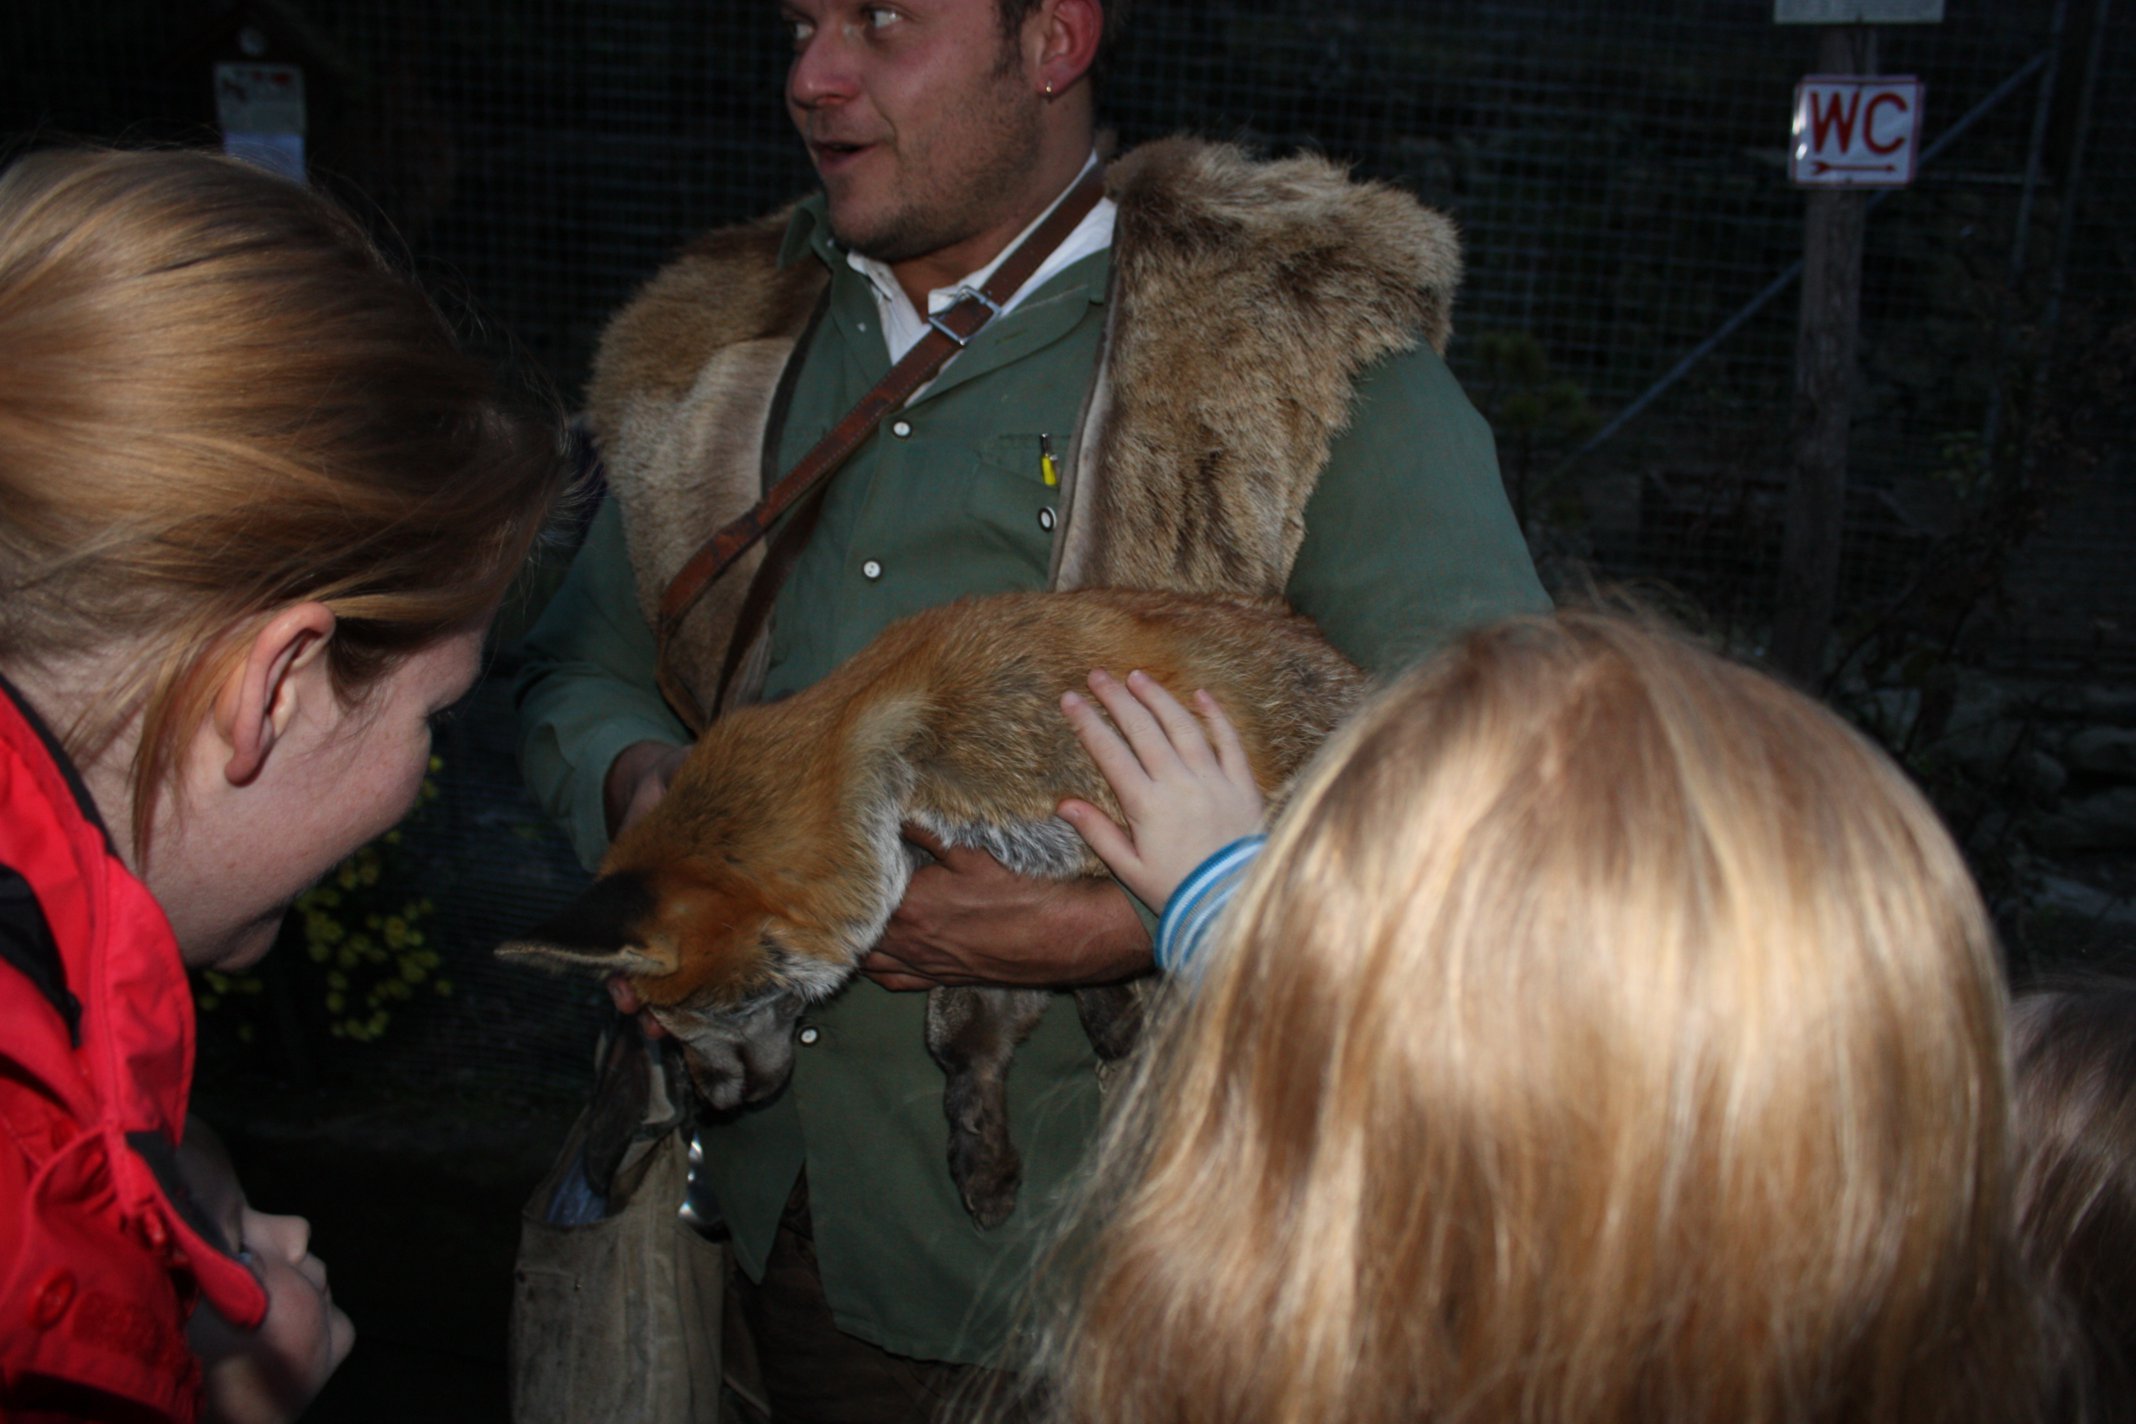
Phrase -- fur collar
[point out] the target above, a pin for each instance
(1247, 298)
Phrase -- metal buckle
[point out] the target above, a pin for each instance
(973, 294)
(939, 325)
(965, 294)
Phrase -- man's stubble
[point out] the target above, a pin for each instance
(955, 190)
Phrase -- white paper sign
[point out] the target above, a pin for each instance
(1853, 130)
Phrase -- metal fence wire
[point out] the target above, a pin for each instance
(1618, 172)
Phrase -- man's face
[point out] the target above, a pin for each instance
(919, 118)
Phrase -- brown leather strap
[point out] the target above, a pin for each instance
(948, 334)
(781, 553)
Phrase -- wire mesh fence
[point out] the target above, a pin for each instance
(1618, 171)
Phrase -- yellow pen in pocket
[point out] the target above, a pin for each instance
(1047, 469)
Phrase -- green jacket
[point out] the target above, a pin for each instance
(1387, 524)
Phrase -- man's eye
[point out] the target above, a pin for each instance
(800, 30)
(879, 16)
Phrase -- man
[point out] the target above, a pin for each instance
(1224, 379)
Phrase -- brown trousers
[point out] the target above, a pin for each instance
(815, 1373)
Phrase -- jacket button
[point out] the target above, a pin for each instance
(809, 1035)
(871, 570)
(1045, 518)
(901, 428)
(51, 1300)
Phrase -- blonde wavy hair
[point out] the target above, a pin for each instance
(1607, 1033)
(217, 399)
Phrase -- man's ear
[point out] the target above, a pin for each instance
(261, 691)
(1062, 40)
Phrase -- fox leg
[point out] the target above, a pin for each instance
(1113, 1016)
(973, 1034)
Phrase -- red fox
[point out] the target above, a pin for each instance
(772, 864)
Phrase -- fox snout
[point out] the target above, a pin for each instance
(736, 1058)
(696, 948)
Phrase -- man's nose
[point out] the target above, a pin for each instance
(824, 71)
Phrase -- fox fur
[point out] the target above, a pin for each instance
(771, 866)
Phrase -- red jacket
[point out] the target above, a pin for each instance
(99, 1263)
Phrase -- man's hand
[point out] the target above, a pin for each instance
(627, 1002)
(636, 781)
(970, 920)
(1184, 783)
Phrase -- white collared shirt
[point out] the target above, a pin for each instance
(903, 326)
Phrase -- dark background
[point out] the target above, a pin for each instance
(1618, 171)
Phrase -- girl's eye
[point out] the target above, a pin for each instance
(800, 30)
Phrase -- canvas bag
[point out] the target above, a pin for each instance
(617, 1303)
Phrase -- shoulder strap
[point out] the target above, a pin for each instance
(948, 334)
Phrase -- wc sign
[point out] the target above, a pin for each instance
(1853, 131)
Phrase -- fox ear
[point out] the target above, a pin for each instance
(631, 960)
(607, 930)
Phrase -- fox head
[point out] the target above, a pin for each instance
(752, 887)
(710, 956)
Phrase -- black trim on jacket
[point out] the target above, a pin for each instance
(26, 940)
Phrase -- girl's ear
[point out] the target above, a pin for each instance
(260, 694)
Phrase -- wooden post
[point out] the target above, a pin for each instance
(1825, 378)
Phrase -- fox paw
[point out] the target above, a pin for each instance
(987, 1177)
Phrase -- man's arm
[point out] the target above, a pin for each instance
(1409, 537)
(969, 920)
(586, 697)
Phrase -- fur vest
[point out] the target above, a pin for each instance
(1247, 297)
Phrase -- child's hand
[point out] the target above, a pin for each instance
(1185, 788)
(267, 1375)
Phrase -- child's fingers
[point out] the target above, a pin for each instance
(1230, 750)
(1115, 759)
(1101, 833)
(1182, 729)
(1152, 745)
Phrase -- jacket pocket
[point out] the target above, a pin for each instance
(1009, 495)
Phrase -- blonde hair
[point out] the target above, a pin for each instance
(216, 400)
(1606, 1033)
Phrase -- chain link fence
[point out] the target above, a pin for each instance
(1628, 322)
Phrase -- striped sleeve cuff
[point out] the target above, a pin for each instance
(1199, 901)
